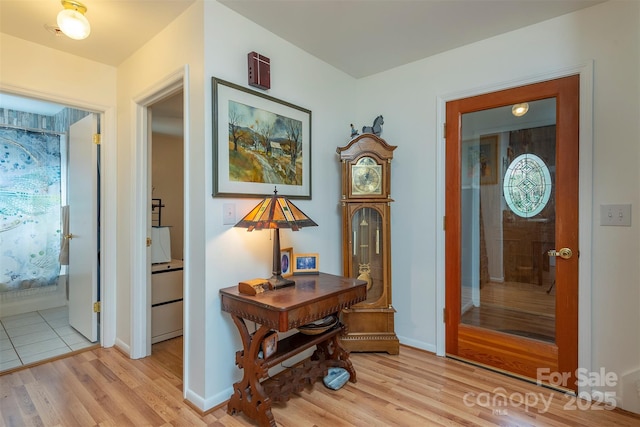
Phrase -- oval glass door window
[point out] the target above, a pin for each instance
(527, 185)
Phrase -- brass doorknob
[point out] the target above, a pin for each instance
(564, 253)
(68, 236)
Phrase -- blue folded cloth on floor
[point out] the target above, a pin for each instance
(336, 378)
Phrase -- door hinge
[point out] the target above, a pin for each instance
(444, 315)
(444, 223)
(149, 241)
(96, 307)
(444, 130)
(96, 138)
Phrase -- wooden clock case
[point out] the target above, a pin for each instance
(366, 244)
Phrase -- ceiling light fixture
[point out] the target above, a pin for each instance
(72, 21)
(520, 110)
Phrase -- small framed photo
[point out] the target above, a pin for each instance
(306, 264)
(270, 344)
(286, 258)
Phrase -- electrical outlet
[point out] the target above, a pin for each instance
(619, 215)
(228, 214)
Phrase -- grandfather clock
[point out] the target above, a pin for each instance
(366, 242)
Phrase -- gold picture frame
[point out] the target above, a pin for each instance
(308, 263)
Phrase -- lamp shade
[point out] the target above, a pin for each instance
(276, 212)
(72, 21)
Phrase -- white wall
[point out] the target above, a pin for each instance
(32, 69)
(168, 185)
(234, 254)
(407, 96)
(219, 255)
(178, 47)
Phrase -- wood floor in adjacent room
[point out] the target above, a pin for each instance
(523, 309)
(104, 387)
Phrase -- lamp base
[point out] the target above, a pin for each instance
(277, 282)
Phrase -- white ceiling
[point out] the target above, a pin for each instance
(364, 37)
(359, 37)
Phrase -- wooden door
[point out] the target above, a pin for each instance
(511, 197)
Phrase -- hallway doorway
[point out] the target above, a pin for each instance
(166, 164)
(37, 188)
(142, 255)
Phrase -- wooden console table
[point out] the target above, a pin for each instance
(312, 298)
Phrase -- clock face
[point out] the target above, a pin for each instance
(366, 177)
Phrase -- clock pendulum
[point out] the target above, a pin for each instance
(364, 265)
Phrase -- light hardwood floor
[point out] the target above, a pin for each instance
(415, 388)
(523, 309)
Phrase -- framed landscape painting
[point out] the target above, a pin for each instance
(260, 143)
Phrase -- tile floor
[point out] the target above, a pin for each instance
(31, 337)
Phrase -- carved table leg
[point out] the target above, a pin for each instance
(334, 355)
(248, 395)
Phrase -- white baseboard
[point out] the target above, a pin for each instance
(124, 347)
(417, 344)
(204, 404)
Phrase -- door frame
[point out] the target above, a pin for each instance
(585, 71)
(141, 217)
(108, 153)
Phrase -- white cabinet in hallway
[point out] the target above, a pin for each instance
(166, 300)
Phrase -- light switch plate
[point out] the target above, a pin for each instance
(228, 214)
(619, 215)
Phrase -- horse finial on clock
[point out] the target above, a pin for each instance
(354, 131)
(376, 129)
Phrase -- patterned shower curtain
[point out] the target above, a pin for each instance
(30, 183)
